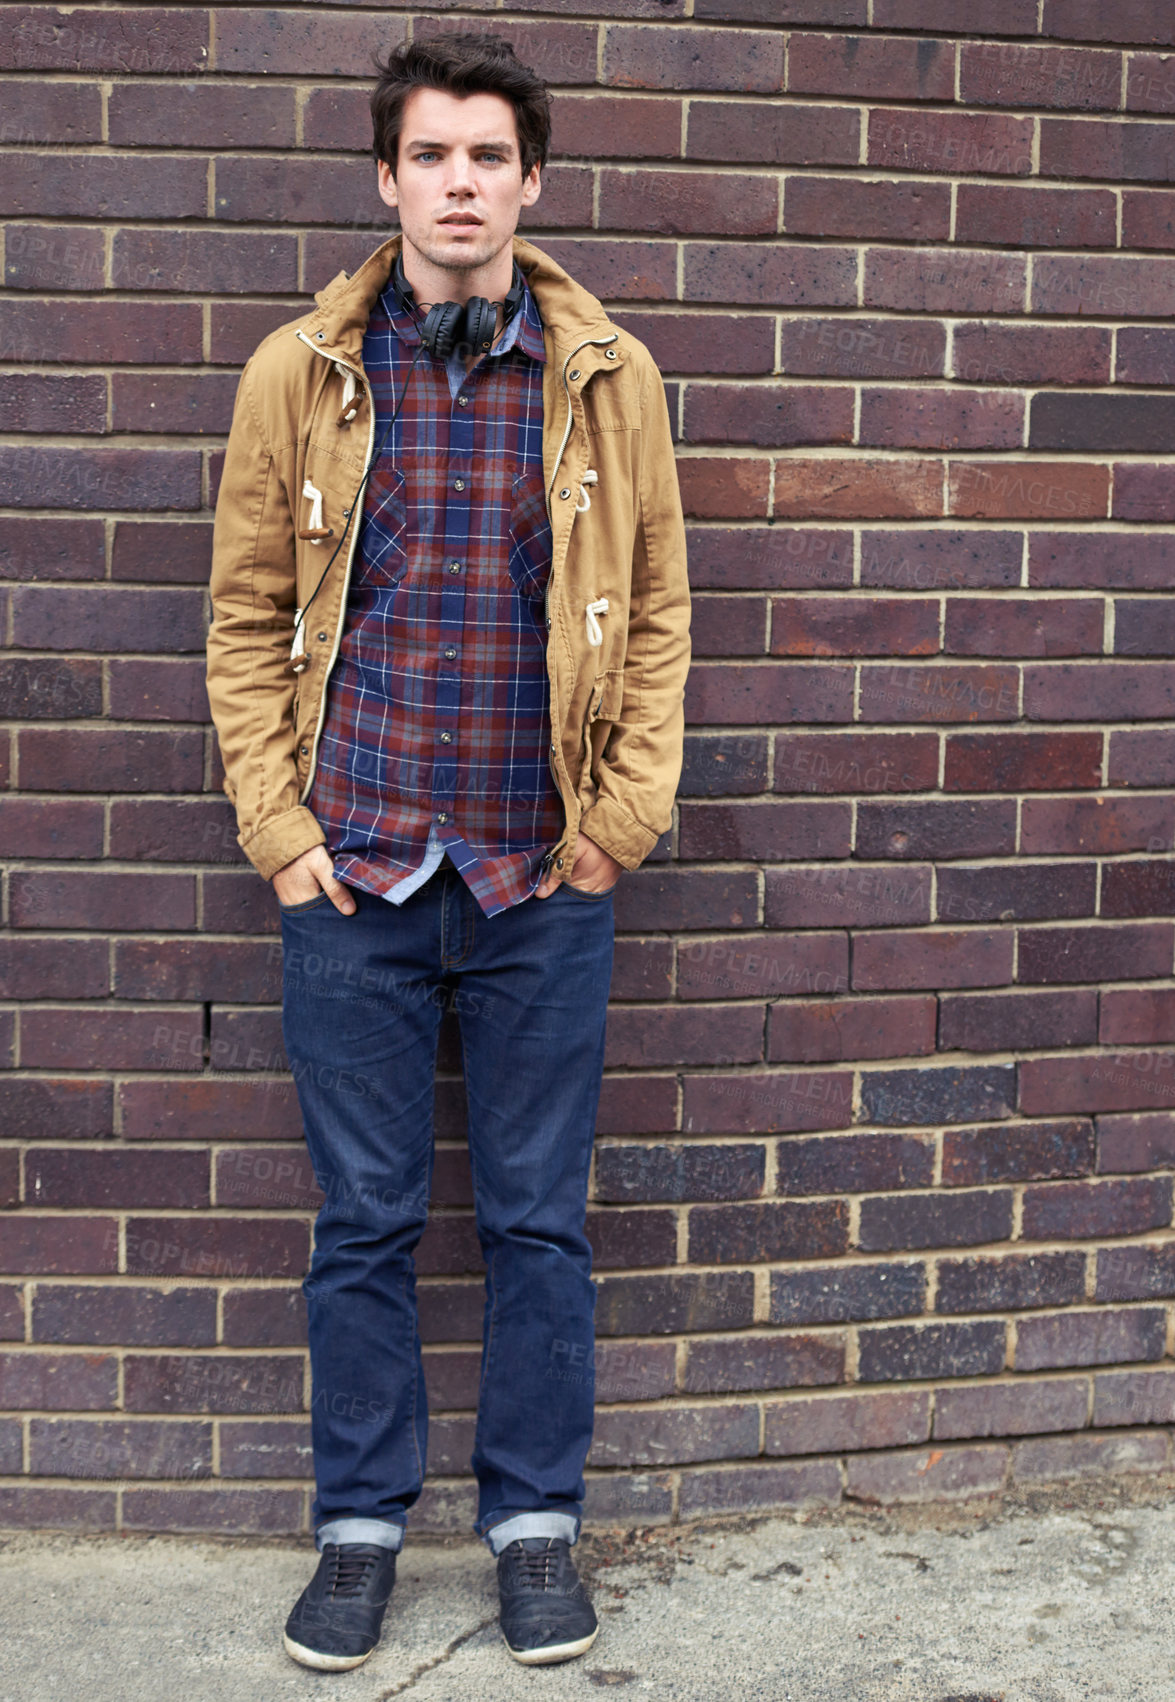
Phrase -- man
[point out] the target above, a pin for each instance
(466, 518)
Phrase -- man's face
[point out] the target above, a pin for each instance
(458, 186)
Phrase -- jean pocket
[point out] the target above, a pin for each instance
(582, 892)
(383, 546)
(530, 535)
(320, 897)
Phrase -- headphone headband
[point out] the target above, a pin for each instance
(448, 325)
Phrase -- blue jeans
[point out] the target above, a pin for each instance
(362, 1002)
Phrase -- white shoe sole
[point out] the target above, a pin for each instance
(322, 1663)
(554, 1651)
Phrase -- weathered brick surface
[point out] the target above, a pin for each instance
(881, 1205)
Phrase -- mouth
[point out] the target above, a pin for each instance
(461, 221)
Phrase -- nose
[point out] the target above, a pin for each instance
(461, 175)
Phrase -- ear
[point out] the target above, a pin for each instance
(532, 187)
(386, 183)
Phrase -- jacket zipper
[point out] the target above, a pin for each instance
(338, 638)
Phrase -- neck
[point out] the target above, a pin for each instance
(432, 283)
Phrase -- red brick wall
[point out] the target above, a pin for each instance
(882, 1200)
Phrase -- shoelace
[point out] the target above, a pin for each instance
(349, 1572)
(538, 1566)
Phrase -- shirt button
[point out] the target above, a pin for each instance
(463, 401)
(443, 815)
(458, 484)
(564, 494)
(454, 567)
(450, 652)
(446, 738)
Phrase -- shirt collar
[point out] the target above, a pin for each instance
(525, 329)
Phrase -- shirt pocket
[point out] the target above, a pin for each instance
(530, 535)
(383, 544)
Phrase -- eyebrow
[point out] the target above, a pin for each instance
(492, 142)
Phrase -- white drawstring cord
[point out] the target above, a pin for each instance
(348, 411)
(591, 477)
(600, 607)
(315, 496)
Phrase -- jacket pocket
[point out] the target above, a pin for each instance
(382, 550)
(530, 535)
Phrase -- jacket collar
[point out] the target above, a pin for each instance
(570, 314)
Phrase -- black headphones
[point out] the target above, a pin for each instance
(449, 326)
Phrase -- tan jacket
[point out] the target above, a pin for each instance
(618, 605)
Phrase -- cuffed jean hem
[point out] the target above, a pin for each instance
(564, 1525)
(360, 1530)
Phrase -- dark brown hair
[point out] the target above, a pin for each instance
(460, 64)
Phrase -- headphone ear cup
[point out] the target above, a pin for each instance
(481, 316)
(442, 328)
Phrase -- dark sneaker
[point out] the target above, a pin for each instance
(336, 1621)
(545, 1612)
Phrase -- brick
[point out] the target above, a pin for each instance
(69, 1108)
(53, 38)
(852, 1164)
(643, 1496)
(766, 1103)
(826, 1030)
(873, 348)
(1140, 1141)
(40, 111)
(1036, 218)
(704, 343)
(894, 67)
(1135, 1273)
(824, 1424)
(50, 688)
(738, 1234)
(667, 1305)
(38, 969)
(1137, 756)
(1016, 354)
(958, 957)
(689, 1172)
(902, 1352)
(757, 831)
(1021, 762)
(736, 693)
(852, 207)
(1018, 1152)
(124, 186)
(1109, 691)
(34, 1508)
(798, 133)
(265, 1448)
(602, 126)
(1130, 21)
(126, 1314)
(43, 1245)
(1148, 221)
(1030, 892)
(1107, 149)
(97, 478)
(842, 1293)
(935, 280)
(971, 143)
(226, 1512)
(843, 896)
(154, 550)
(743, 1488)
(1124, 1206)
(1006, 74)
(120, 1039)
(1009, 1282)
(1098, 560)
(728, 626)
(1103, 1337)
(761, 965)
(1136, 1015)
(1137, 889)
(894, 418)
(797, 273)
(893, 1223)
(1092, 1083)
(1083, 1456)
(998, 1022)
(1142, 493)
(185, 1109)
(931, 558)
(210, 116)
(855, 762)
(688, 203)
(1093, 953)
(215, 1247)
(673, 1435)
(48, 256)
(1133, 1397)
(134, 1448)
(73, 549)
(784, 11)
(858, 487)
(1096, 825)
(947, 691)
(937, 1474)
(852, 626)
(776, 416)
(33, 402)
(267, 1318)
(213, 1383)
(1032, 490)
(1102, 423)
(71, 1381)
(639, 57)
(981, 17)
(737, 1363)
(951, 1095)
(101, 900)
(64, 1176)
(1011, 1409)
(1122, 287)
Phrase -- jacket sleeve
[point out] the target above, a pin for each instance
(640, 765)
(250, 692)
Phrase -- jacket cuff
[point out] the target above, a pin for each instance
(279, 841)
(618, 833)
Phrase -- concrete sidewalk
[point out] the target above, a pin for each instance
(1042, 1596)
